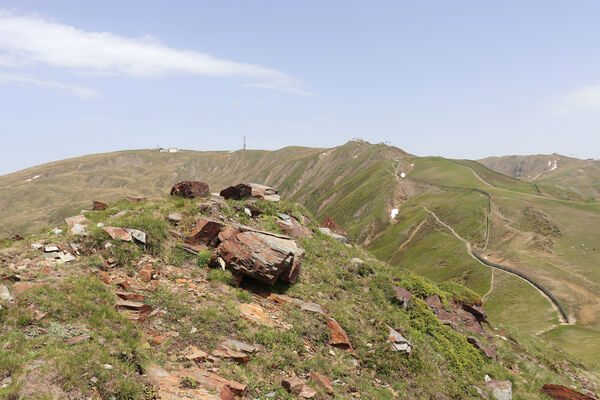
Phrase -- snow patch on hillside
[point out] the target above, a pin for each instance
(31, 179)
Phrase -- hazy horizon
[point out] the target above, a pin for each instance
(458, 80)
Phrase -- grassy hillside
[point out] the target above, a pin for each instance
(542, 231)
(556, 175)
(81, 347)
(305, 174)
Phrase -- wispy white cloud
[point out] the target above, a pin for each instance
(79, 91)
(26, 39)
(582, 98)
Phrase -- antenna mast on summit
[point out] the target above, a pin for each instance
(244, 142)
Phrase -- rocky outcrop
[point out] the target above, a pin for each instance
(250, 190)
(290, 226)
(263, 256)
(454, 316)
(235, 350)
(559, 392)
(190, 189)
(171, 385)
(206, 231)
(237, 192)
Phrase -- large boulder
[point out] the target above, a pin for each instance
(259, 255)
(237, 192)
(250, 190)
(190, 189)
(559, 392)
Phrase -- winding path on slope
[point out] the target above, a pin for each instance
(555, 305)
(562, 315)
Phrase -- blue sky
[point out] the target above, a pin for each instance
(463, 79)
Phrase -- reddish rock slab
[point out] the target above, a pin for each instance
(255, 313)
(559, 392)
(77, 219)
(117, 233)
(262, 256)
(98, 205)
(169, 388)
(133, 310)
(337, 335)
(226, 394)
(293, 384)
(291, 226)
(280, 298)
(145, 274)
(130, 296)
(104, 277)
(206, 231)
(190, 189)
(330, 224)
(237, 192)
(227, 353)
(193, 353)
(134, 199)
(322, 380)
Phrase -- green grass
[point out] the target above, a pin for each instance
(78, 305)
(505, 307)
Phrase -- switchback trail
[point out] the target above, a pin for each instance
(563, 318)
